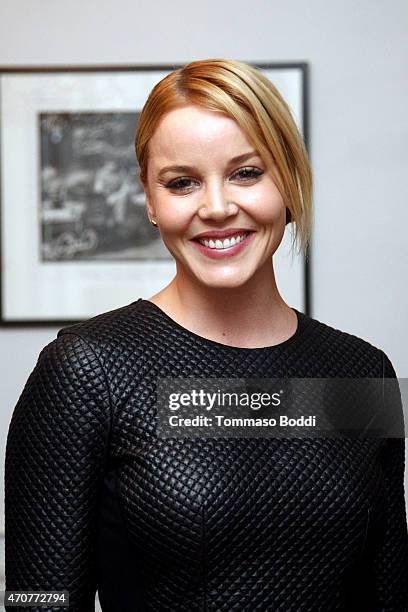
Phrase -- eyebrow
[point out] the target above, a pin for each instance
(235, 160)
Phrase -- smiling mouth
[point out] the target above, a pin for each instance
(226, 243)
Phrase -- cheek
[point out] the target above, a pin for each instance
(175, 214)
(265, 205)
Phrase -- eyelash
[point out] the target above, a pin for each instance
(250, 173)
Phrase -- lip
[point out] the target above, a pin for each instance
(222, 253)
(220, 234)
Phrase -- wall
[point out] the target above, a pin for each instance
(357, 51)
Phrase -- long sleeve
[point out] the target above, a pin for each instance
(55, 456)
(390, 550)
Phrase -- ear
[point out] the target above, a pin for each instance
(150, 210)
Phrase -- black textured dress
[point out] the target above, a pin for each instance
(95, 500)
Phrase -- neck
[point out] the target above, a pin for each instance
(250, 314)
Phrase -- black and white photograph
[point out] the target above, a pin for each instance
(92, 203)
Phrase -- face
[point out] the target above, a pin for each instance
(205, 177)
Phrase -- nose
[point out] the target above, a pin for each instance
(216, 205)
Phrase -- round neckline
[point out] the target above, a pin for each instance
(300, 325)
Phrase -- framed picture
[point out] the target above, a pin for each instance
(75, 237)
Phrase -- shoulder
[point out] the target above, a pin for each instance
(69, 362)
(102, 324)
(120, 330)
(65, 391)
(339, 352)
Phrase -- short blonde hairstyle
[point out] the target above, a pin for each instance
(245, 94)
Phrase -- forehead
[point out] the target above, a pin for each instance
(192, 129)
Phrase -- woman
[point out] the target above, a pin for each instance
(95, 499)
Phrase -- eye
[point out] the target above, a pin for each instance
(180, 184)
(244, 175)
(248, 173)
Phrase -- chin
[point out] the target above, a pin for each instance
(219, 281)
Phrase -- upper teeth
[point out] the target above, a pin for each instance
(223, 244)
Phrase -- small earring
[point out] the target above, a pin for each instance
(153, 222)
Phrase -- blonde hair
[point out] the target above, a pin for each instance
(245, 94)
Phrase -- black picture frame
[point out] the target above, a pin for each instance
(30, 290)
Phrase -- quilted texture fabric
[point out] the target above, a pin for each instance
(95, 500)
